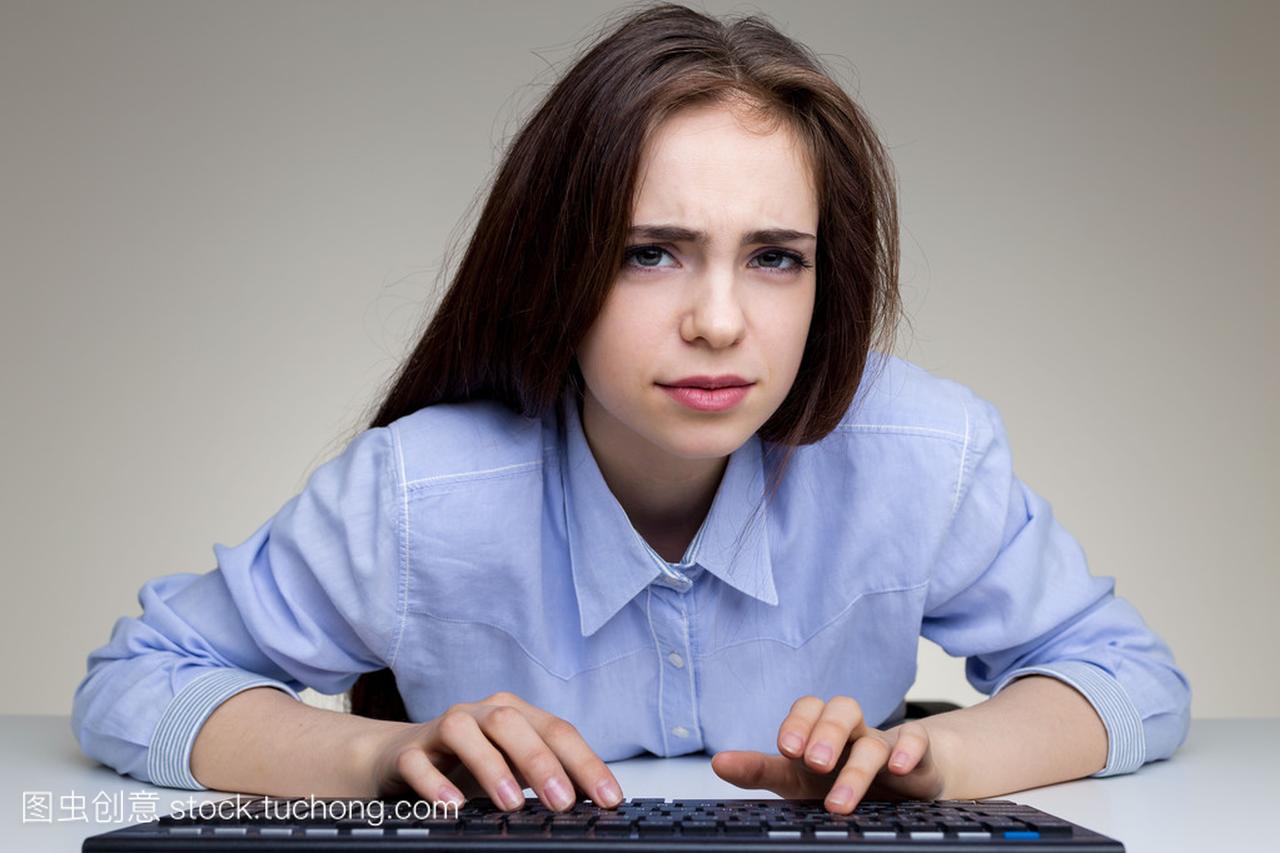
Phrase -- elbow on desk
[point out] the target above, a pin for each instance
(1166, 731)
(113, 750)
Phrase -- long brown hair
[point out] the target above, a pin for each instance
(553, 230)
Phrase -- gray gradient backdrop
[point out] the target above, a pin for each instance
(221, 224)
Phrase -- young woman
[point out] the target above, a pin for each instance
(650, 482)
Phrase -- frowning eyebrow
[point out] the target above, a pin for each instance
(680, 234)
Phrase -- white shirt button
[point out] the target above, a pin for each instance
(676, 660)
(680, 731)
(674, 583)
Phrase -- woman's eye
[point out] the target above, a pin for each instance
(798, 262)
(647, 257)
(646, 253)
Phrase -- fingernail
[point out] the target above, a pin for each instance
(791, 742)
(821, 754)
(607, 793)
(511, 796)
(555, 791)
(899, 759)
(450, 794)
(840, 795)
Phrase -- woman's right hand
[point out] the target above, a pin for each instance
(469, 746)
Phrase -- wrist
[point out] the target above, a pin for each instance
(946, 746)
(367, 753)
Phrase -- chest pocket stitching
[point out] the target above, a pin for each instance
(529, 654)
(820, 628)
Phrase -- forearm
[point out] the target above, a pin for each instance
(263, 741)
(1036, 731)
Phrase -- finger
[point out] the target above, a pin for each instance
(587, 769)
(776, 773)
(459, 731)
(911, 747)
(793, 734)
(866, 759)
(425, 779)
(840, 721)
(509, 729)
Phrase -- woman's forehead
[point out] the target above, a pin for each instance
(703, 171)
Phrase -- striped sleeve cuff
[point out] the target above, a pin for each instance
(1126, 741)
(169, 757)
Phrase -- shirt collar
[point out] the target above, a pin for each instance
(612, 563)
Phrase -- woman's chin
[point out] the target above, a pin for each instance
(704, 440)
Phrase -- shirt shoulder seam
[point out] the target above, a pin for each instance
(964, 458)
(402, 531)
(465, 476)
(907, 429)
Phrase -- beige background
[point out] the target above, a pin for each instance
(221, 224)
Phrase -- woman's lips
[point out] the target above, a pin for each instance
(707, 399)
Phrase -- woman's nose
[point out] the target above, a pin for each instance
(715, 314)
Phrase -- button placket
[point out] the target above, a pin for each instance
(685, 605)
(677, 708)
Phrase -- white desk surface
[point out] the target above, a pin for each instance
(1182, 804)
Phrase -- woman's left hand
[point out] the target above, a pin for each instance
(828, 751)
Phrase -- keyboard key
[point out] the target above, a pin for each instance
(530, 817)
(651, 830)
(612, 830)
(1051, 829)
(565, 825)
(740, 829)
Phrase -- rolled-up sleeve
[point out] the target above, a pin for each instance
(1012, 593)
(310, 599)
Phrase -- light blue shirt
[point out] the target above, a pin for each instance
(473, 550)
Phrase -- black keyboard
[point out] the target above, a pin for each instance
(637, 824)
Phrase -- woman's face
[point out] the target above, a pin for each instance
(728, 302)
